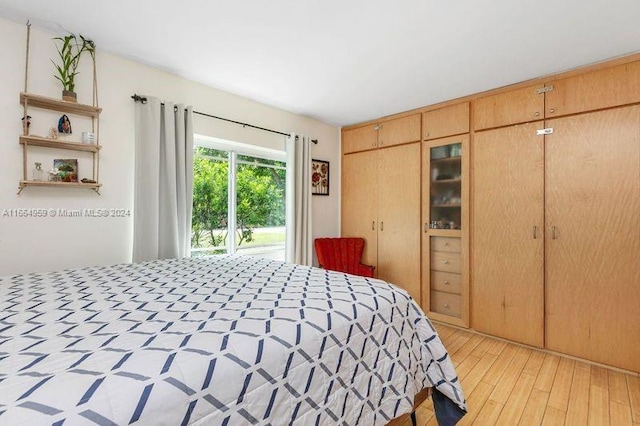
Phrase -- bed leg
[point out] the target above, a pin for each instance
(414, 422)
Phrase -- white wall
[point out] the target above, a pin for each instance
(42, 244)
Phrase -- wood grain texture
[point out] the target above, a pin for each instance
(592, 268)
(508, 263)
(359, 208)
(578, 409)
(518, 106)
(399, 217)
(399, 131)
(594, 90)
(578, 399)
(447, 121)
(359, 139)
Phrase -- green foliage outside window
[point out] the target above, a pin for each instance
(260, 195)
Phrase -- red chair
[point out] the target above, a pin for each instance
(342, 255)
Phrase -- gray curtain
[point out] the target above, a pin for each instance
(299, 243)
(163, 180)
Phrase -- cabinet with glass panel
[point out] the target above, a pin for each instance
(445, 186)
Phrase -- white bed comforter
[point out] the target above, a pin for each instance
(213, 341)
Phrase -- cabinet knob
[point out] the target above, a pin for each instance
(373, 144)
(446, 305)
(536, 114)
(446, 244)
(446, 262)
(552, 110)
(446, 282)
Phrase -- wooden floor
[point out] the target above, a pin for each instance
(513, 385)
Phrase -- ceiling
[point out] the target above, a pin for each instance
(348, 61)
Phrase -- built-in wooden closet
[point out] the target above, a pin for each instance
(548, 254)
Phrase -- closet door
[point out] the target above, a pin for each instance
(399, 216)
(507, 233)
(360, 201)
(593, 236)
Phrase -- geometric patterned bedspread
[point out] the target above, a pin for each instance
(225, 340)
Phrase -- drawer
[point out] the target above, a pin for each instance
(445, 303)
(445, 262)
(446, 281)
(448, 244)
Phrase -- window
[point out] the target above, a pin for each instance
(238, 200)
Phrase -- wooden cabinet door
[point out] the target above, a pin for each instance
(593, 260)
(518, 106)
(507, 233)
(595, 90)
(447, 121)
(399, 216)
(360, 139)
(360, 201)
(400, 130)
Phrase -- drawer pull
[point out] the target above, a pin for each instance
(446, 244)
(446, 282)
(446, 262)
(446, 306)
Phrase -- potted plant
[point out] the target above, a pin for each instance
(70, 52)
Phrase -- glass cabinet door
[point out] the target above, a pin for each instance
(446, 187)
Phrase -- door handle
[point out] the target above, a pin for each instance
(553, 232)
(382, 226)
(373, 225)
(426, 227)
(535, 232)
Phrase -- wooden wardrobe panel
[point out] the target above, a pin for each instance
(507, 233)
(399, 216)
(400, 130)
(448, 121)
(595, 90)
(360, 201)
(360, 139)
(518, 106)
(593, 263)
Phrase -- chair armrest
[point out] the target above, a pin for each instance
(366, 270)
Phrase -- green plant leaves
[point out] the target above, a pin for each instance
(69, 53)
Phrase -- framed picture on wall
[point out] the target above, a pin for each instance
(319, 177)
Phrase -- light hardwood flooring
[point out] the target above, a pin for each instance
(509, 384)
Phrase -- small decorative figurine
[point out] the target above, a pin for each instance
(64, 125)
(53, 133)
(28, 120)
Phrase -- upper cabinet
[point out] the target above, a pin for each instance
(518, 106)
(399, 131)
(447, 121)
(594, 90)
(360, 139)
(388, 133)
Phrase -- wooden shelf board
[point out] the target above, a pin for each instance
(444, 206)
(38, 101)
(458, 180)
(455, 159)
(25, 183)
(57, 143)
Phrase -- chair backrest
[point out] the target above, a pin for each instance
(340, 254)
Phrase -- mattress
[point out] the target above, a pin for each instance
(223, 340)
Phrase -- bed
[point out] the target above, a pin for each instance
(224, 340)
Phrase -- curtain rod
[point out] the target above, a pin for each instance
(142, 99)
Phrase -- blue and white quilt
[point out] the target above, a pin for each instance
(228, 340)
